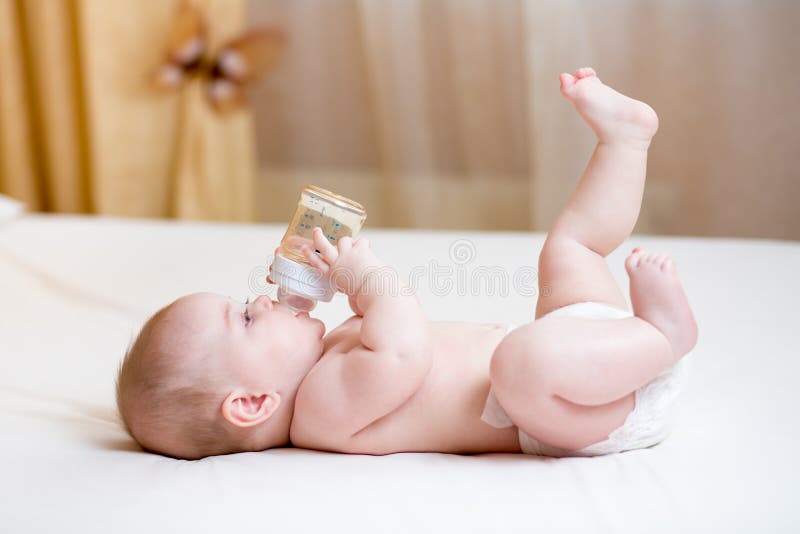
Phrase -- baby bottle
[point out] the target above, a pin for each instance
(301, 285)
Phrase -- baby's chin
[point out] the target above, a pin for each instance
(319, 325)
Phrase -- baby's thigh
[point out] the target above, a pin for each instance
(524, 373)
(569, 273)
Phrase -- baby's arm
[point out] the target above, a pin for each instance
(349, 391)
(393, 321)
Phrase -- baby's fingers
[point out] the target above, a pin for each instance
(314, 259)
(328, 251)
(345, 244)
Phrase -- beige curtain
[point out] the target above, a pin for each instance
(446, 113)
(82, 130)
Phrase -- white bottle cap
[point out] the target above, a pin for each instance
(301, 279)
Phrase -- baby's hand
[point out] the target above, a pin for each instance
(347, 265)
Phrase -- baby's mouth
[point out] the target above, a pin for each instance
(302, 314)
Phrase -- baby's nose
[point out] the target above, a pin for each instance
(263, 302)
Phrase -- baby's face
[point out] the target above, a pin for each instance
(260, 344)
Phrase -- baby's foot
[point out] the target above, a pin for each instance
(614, 117)
(659, 299)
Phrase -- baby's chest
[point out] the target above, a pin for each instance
(447, 404)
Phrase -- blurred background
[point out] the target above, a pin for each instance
(432, 113)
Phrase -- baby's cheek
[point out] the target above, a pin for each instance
(231, 362)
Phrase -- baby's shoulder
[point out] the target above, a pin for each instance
(351, 323)
(344, 336)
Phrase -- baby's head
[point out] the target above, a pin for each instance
(209, 375)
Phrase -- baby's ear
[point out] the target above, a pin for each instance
(247, 409)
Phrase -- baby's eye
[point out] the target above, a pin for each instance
(246, 314)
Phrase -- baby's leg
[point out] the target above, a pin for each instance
(568, 382)
(602, 211)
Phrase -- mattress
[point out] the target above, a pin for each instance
(74, 290)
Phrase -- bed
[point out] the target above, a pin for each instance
(75, 289)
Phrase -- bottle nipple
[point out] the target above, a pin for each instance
(295, 302)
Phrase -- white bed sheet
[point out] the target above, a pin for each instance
(73, 290)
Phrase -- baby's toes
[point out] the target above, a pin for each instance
(567, 84)
(584, 72)
(634, 259)
(655, 260)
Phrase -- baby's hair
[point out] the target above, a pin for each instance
(164, 403)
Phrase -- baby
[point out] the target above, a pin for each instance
(208, 375)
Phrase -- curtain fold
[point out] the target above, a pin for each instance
(434, 113)
(17, 175)
(410, 107)
(43, 138)
(83, 130)
(447, 113)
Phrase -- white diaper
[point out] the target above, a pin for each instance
(649, 422)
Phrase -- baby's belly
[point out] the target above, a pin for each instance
(444, 415)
